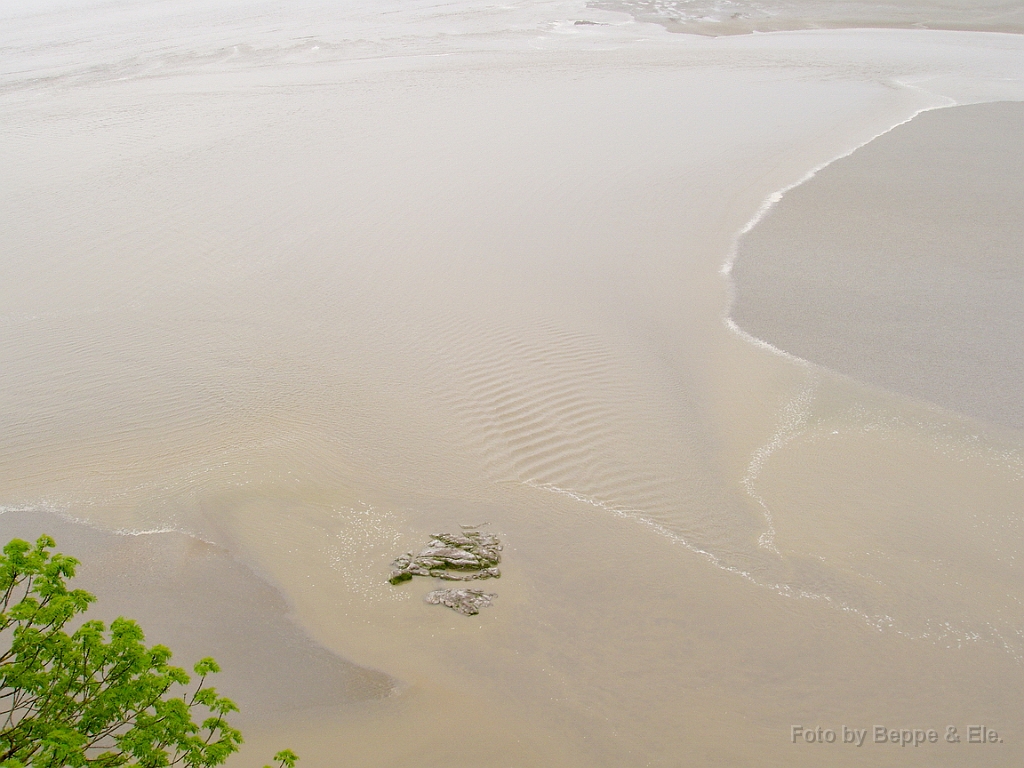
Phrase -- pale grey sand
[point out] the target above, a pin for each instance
(902, 264)
(199, 601)
(736, 17)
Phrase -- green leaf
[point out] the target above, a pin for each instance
(95, 697)
(285, 759)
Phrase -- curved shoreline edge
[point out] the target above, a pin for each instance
(873, 273)
(725, 270)
(709, 20)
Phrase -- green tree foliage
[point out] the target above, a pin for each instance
(93, 698)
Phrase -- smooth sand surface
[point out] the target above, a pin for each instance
(309, 284)
(197, 600)
(901, 264)
(735, 17)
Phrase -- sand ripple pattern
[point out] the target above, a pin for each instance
(563, 411)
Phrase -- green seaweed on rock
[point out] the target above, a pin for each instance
(465, 556)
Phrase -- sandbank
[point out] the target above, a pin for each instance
(732, 18)
(900, 265)
(199, 601)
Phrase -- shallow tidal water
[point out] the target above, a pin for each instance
(283, 292)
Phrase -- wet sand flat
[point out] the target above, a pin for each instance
(718, 17)
(901, 264)
(197, 600)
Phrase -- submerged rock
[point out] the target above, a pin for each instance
(471, 554)
(465, 556)
(468, 602)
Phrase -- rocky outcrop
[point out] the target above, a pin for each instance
(468, 602)
(464, 556)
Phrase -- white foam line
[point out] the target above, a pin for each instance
(145, 532)
(638, 517)
(785, 590)
(773, 199)
(795, 416)
(761, 343)
(63, 514)
(29, 508)
(879, 622)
